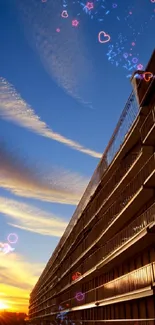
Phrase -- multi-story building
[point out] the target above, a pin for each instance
(103, 269)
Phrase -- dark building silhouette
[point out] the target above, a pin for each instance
(103, 269)
(12, 318)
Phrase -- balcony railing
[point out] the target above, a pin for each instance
(114, 322)
(125, 122)
(91, 321)
(129, 283)
(148, 124)
(105, 192)
(107, 189)
(118, 241)
(140, 223)
(103, 195)
(130, 190)
(135, 280)
(111, 214)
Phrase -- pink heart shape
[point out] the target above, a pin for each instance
(106, 36)
(4, 247)
(147, 76)
(64, 14)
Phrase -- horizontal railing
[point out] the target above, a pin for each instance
(111, 184)
(114, 180)
(115, 321)
(145, 219)
(125, 122)
(135, 280)
(148, 124)
(102, 197)
(130, 190)
(140, 223)
(119, 240)
(91, 321)
(106, 191)
(111, 214)
(97, 321)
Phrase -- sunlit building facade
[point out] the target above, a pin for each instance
(103, 269)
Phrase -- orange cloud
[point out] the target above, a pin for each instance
(57, 186)
(30, 218)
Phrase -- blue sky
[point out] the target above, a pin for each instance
(78, 87)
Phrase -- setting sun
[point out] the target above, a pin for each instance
(3, 305)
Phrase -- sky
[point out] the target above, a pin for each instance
(65, 69)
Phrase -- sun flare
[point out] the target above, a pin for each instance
(3, 305)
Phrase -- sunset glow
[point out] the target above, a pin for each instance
(77, 149)
(3, 305)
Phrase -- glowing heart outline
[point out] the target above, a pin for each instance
(79, 296)
(12, 241)
(105, 35)
(147, 79)
(64, 14)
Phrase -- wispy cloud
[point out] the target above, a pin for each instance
(15, 109)
(30, 218)
(57, 186)
(66, 54)
(17, 278)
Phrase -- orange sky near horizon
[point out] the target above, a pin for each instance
(13, 303)
(17, 280)
(10, 306)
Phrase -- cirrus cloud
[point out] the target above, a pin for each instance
(30, 218)
(15, 109)
(65, 55)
